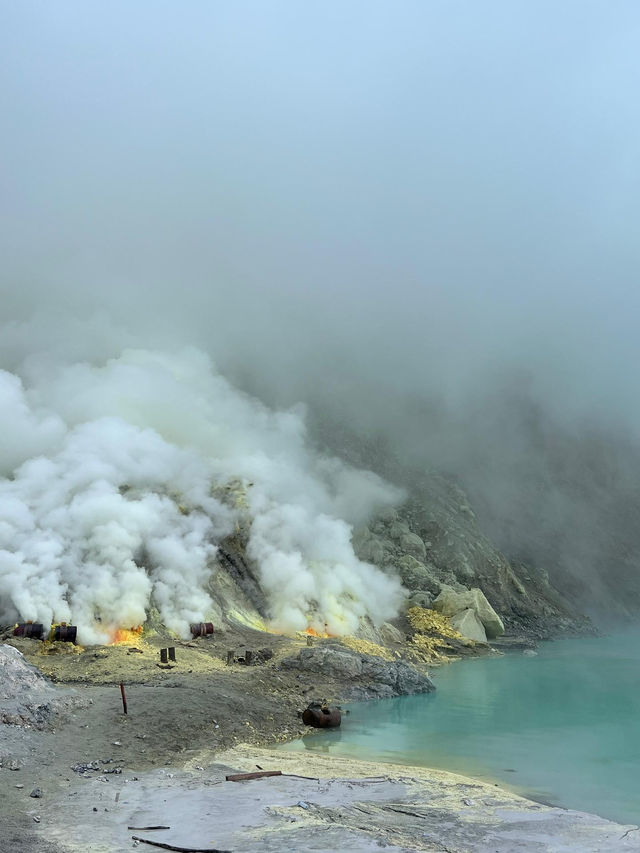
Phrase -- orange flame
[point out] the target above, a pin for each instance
(313, 633)
(128, 636)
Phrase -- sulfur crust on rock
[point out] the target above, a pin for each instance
(423, 649)
(366, 647)
(429, 621)
(432, 630)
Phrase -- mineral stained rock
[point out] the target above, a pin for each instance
(369, 676)
(468, 624)
(26, 697)
(451, 602)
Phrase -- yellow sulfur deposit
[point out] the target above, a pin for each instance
(423, 649)
(429, 622)
(429, 643)
(365, 647)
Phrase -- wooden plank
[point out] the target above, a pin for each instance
(241, 777)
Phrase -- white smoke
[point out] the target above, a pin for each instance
(108, 475)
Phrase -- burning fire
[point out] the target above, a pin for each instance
(313, 633)
(128, 636)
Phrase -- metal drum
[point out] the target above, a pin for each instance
(201, 629)
(322, 718)
(30, 630)
(65, 633)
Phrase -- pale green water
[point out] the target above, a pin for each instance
(563, 727)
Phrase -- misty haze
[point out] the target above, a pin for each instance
(318, 357)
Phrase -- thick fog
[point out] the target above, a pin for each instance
(418, 218)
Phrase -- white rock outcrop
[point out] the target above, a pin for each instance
(450, 602)
(468, 624)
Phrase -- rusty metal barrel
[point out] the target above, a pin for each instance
(30, 630)
(201, 629)
(322, 718)
(65, 633)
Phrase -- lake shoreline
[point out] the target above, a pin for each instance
(180, 740)
(318, 803)
(544, 726)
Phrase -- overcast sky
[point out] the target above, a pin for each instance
(412, 194)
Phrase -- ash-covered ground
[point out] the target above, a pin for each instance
(76, 774)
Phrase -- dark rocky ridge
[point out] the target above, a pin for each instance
(364, 676)
(435, 538)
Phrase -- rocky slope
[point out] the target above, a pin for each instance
(434, 542)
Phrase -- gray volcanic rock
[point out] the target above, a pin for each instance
(377, 677)
(418, 576)
(26, 697)
(434, 541)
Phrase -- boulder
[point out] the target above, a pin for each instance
(377, 677)
(468, 624)
(412, 544)
(379, 634)
(390, 634)
(388, 515)
(416, 575)
(371, 551)
(398, 529)
(27, 698)
(450, 602)
(420, 599)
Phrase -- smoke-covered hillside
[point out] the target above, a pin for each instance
(414, 222)
(120, 480)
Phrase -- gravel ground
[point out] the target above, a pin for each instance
(99, 771)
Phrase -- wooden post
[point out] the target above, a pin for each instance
(248, 657)
(172, 652)
(124, 698)
(230, 656)
(309, 640)
(163, 655)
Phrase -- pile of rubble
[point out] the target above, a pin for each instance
(26, 697)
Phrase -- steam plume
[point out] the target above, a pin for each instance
(107, 502)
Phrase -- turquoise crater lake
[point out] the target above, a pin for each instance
(562, 727)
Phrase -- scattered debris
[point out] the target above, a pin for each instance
(36, 794)
(147, 828)
(201, 629)
(83, 767)
(321, 717)
(29, 630)
(178, 849)
(64, 633)
(241, 777)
